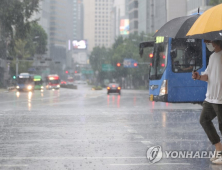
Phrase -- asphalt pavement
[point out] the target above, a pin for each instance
(83, 129)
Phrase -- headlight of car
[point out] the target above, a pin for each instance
(58, 85)
(17, 87)
(41, 87)
(29, 87)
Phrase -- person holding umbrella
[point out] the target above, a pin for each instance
(212, 106)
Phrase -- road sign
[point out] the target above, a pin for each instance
(87, 71)
(129, 63)
(108, 67)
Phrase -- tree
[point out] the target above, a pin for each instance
(122, 49)
(215, 2)
(37, 40)
(15, 18)
(34, 43)
(22, 53)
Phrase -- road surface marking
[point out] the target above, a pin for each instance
(146, 142)
(149, 164)
(132, 131)
(63, 158)
(13, 165)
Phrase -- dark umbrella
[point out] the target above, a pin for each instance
(177, 27)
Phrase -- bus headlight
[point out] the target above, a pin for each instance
(163, 89)
(29, 87)
(58, 85)
(41, 87)
(17, 87)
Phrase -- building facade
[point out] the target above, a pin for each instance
(118, 13)
(61, 28)
(98, 23)
(193, 5)
(78, 18)
(152, 15)
(133, 16)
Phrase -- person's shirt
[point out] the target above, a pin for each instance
(214, 70)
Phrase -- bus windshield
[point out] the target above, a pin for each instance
(38, 82)
(159, 61)
(53, 81)
(24, 80)
(186, 55)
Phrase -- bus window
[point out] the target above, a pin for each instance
(159, 61)
(188, 55)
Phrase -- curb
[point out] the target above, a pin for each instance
(10, 88)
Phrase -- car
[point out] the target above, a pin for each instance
(113, 88)
(63, 82)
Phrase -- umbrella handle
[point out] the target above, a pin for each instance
(194, 72)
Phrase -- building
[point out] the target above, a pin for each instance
(61, 28)
(118, 13)
(176, 8)
(133, 16)
(78, 15)
(193, 5)
(97, 23)
(152, 15)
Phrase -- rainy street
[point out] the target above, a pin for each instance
(89, 130)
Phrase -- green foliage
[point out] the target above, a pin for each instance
(215, 2)
(97, 88)
(37, 40)
(34, 43)
(15, 19)
(123, 48)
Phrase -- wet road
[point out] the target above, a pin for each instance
(88, 130)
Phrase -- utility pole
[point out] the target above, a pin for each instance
(17, 66)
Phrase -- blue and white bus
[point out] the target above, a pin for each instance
(172, 63)
(25, 82)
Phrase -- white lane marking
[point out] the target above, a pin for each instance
(62, 158)
(149, 164)
(132, 131)
(146, 142)
(13, 165)
(138, 137)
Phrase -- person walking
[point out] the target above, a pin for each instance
(212, 106)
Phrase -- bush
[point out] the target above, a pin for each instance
(142, 88)
(97, 88)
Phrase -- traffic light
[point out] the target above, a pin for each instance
(76, 72)
(135, 64)
(14, 77)
(151, 55)
(67, 72)
(118, 64)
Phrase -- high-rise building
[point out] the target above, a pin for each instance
(192, 6)
(151, 14)
(176, 8)
(97, 23)
(78, 19)
(118, 14)
(61, 28)
(133, 16)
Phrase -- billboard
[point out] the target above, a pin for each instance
(79, 44)
(124, 26)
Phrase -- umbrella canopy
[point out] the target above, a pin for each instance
(208, 25)
(178, 27)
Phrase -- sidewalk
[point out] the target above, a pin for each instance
(3, 90)
(11, 88)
